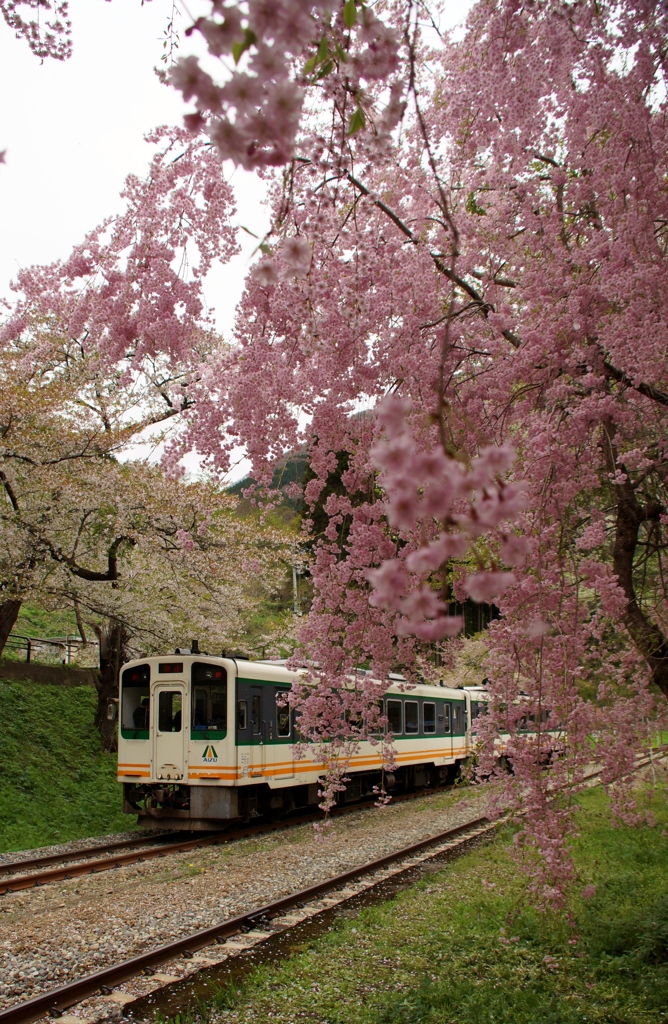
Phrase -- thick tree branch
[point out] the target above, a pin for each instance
(11, 494)
(92, 575)
(648, 390)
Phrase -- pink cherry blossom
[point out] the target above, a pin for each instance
(296, 253)
(487, 586)
(221, 35)
(471, 348)
(514, 549)
(266, 273)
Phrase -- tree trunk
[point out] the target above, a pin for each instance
(647, 636)
(9, 611)
(113, 639)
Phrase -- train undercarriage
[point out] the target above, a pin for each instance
(206, 808)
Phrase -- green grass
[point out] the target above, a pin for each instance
(35, 621)
(57, 784)
(453, 950)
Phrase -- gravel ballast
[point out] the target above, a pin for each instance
(51, 935)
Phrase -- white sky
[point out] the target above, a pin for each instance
(73, 130)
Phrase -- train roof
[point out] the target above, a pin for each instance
(276, 672)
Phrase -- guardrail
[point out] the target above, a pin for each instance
(65, 647)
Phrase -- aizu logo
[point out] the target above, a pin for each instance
(209, 756)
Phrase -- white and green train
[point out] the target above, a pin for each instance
(205, 740)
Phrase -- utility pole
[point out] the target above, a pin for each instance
(295, 592)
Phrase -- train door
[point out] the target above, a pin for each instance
(258, 728)
(459, 727)
(280, 731)
(445, 727)
(168, 731)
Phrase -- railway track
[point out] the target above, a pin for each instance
(256, 926)
(10, 867)
(39, 871)
(31, 873)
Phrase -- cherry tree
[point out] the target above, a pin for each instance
(468, 245)
(92, 372)
(143, 560)
(472, 247)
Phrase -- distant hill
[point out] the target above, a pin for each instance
(291, 469)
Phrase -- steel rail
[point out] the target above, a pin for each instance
(54, 1002)
(16, 883)
(161, 847)
(87, 851)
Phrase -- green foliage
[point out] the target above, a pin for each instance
(357, 121)
(40, 622)
(463, 947)
(473, 206)
(35, 621)
(349, 13)
(240, 47)
(57, 783)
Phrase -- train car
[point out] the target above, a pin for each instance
(551, 739)
(477, 700)
(205, 740)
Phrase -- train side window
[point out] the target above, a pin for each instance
(242, 714)
(282, 715)
(447, 727)
(395, 716)
(429, 716)
(169, 711)
(412, 717)
(374, 713)
(256, 713)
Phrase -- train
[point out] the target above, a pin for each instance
(204, 741)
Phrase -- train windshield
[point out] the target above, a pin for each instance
(135, 702)
(209, 699)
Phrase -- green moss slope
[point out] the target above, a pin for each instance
(57, 783)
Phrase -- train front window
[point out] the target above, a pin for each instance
(209, 701)
(135, 702)
(429, 716)
(412, 724)
(170, 711)
(395, 717)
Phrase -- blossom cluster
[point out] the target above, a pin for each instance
(279, 48)
(47, 37)
(523, 206)
(426, 486)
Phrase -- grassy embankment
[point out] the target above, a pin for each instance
(57, 784)
(463, 947)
